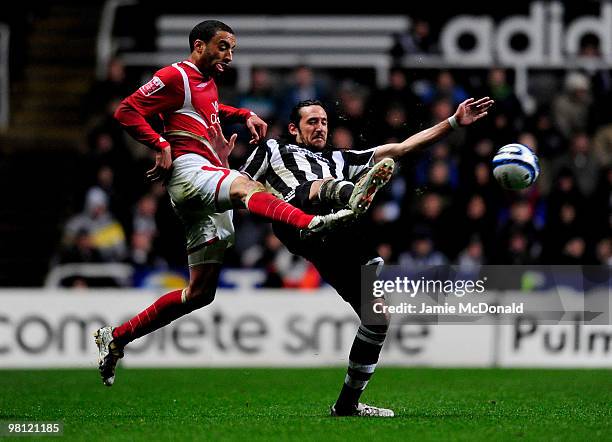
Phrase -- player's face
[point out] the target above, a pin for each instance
(312, 130)
(215, 56)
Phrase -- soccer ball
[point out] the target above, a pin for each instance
(515, 166)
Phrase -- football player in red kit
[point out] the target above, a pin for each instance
(192, 158)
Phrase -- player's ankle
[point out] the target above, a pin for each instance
(336, 192)
(343, 408)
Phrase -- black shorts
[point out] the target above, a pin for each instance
(337, 255)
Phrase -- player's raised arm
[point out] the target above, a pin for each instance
(162, 93)
(467, 113)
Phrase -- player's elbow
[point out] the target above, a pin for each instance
(122, 112)
(118, 114)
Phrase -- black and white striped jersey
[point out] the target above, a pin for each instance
(283, 167)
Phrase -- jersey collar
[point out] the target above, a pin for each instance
(190, 64)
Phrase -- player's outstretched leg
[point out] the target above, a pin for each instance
(369, 184)
(362, 362)
(267, 205)
(111, 341)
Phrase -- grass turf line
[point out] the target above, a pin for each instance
(265, 404)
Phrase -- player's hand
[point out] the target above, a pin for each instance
(473, 110)
(257, 127)
(163, 165)
(222, 146)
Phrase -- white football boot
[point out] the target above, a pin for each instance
(331, 221)
(108, 354)
(369, 184)
(365, 410)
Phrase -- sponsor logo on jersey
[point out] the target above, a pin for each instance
(152, 86)
(293, 148)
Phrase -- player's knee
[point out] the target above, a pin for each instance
(199, 296)
(377, 322)
(381, 328)
(243, 187)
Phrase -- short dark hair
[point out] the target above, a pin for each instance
(206, 30)
(295, 116)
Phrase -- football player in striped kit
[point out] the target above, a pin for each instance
(319, 178)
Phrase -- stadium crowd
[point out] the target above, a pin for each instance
(443, 204)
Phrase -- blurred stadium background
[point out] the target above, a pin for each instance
(84, 240)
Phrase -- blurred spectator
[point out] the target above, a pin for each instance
(433, 219)
(260, 98)
(506, 118)
(398, 95)
(518, 238)
(518, 250)
(352, 113)
(417, 40)
(571, 107)
(80, 249)
(142, 251)
(600, 80)
(303, 86)
(105, 233)
(603, 251)
(602, 144)
(563, 225)
(550, 141)
(394, 127)
(472, 257)
(102, 92)
(573, 252)
(144, 218)
(285, 269)
(445, 88)
(600, 207)
(342, 138)
(565, 191)
(475, 220)
(421, 253)
(438, 153)
(581, 161)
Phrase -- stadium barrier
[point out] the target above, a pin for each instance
(283, 41)
(53, 328)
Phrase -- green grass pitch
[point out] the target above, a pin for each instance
(292, 404)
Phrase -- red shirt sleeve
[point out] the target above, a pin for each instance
(163, 93)
(231, 114)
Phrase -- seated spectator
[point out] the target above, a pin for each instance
(445, 88)
(472, 257)
(519, 241)
(417, 40)
(103, 230)
(422, 252)
(571, 107)
(581, 161)
(603, 251)
(304, 85)
(260, 98)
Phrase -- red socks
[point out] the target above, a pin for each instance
(267, 205)
(163, 311)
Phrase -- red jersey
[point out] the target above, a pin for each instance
(186, 100)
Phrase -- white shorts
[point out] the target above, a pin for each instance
(200, 195)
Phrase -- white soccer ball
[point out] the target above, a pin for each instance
(515, 166)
